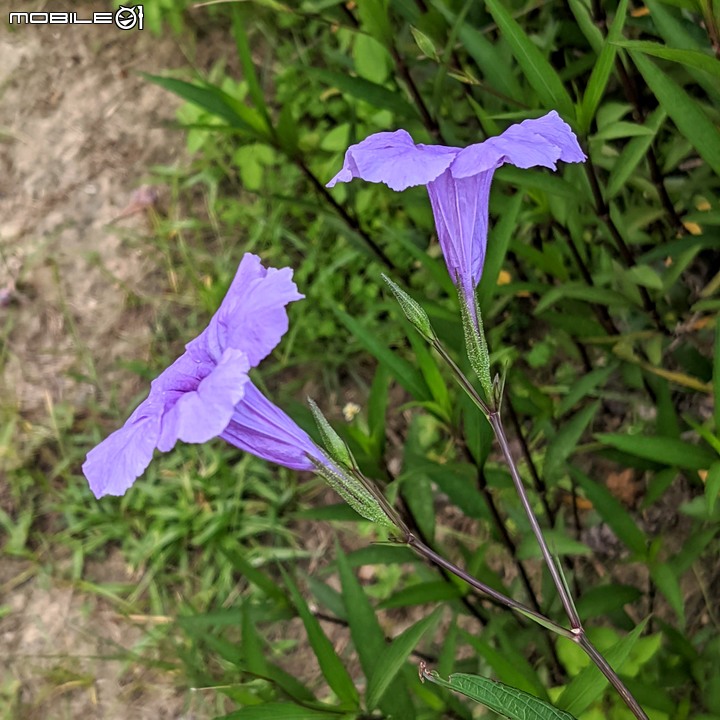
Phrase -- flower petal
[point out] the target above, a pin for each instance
(542, 141)
(263, 429)
(252, 317)
(114, 465)
(394, 159)
(203, 413)
(460, 208)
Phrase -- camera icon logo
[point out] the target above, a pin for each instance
(126, 18)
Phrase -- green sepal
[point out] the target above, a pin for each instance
(354, 493)
(476, 345)
(333, 443)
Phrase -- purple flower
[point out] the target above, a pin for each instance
(458, 181)
(206, 391)
(263, 429)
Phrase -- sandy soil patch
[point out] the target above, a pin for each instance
(79, 130)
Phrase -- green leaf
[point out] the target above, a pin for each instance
(429, 365)
(503, 699)
(217, 102)
(644, 275)
(330, 664)
(584, 386)
(633, 153)
(253, 575)
(423, 593)
(372, 60)
(580, 291)
(278, 711)
(558, 541)
(690, 58)
(377, 409)
(712, 486)
(612, 512)
(509, 665)
(239, 21)
(566, 439)
(692, 549)
(604, 599)
(539, 72)
(716, 377)
(405, 373)
(376, 95)
(459, 483)
(365, 630)
(499, 240)
(668, 584)
(586, 687)
(417, 492)
(585, 22)
(485, 54)
(389, 663)
(678, 33)
(375, 19)
(368, 638)
(536, 180)
(667, 451)
(684, 111)
(601, 71)
(255, 662)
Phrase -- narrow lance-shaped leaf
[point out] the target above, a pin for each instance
(368, 638)
(243, 49)
(361, 89)
(612, 512)
(539, 72)
(689, 58)
(685, 112)
(716, 377)
(497, 249)
(388, 665)
(503, 699)
(563, 444)
(602, 70)
(588, 686)
(664, 450)
(330, 664)
(218, 103)
(712, 487)
(405, 373)
(633, 153)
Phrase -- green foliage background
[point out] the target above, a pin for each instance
(600, 295)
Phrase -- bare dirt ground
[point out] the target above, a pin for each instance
(79, 130)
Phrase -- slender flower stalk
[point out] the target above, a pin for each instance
(500, 598)
(576, 633)
(496, 423)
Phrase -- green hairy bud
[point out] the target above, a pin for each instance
(413, 312)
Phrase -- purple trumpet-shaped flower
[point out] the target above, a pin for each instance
(263, 429)
(458, 181)
(206, 392)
